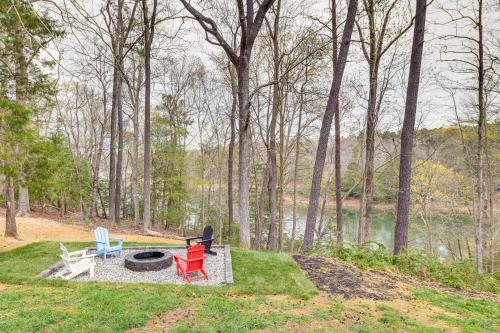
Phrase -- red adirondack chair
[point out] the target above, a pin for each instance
(193, 263)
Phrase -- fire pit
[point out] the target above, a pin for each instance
(154, 260)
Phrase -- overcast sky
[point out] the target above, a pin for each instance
(434, 103)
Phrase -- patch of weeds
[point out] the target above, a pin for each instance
(391, 320)
(472, 315)
(336, 309)
(321, 314)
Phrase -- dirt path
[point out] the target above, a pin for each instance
(35, 229)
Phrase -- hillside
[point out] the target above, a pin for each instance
(271, 293)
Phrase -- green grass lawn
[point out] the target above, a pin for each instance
(269, 294)
(30, 304)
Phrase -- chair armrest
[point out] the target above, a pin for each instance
(193, 238)
(96, 241)
(189, 239)
(205, 241)
(119, 240)
(79, 258)
(180, 258)
(197, 259)
(77, 253)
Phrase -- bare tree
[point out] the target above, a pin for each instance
(297, 152)
(149, 29)
(232, 119)
(326, 126)
(338, 165)
(135, 85)
(119, 28)
(481, 128)
(272, 239)
(377, 47)
(467, 57)
(403, 206)
(250, 24)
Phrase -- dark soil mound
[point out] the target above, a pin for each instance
(340, 278)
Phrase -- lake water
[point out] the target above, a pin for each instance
(447, 229)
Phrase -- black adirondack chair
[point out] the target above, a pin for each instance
(206, 240)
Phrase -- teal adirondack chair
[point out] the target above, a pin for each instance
(102, 243)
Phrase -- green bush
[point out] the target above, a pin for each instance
(366, 255)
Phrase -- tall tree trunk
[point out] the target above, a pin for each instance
(404, 191)
(97, 165)
(378, 21)
(272, 240)
(135, 177)
(135, 155)
(326, 126)
(21, 86)
(119, 154)
(364, 229)
(296, 164)
(338, 166)
(234, 106)
(480, 145)
(281, 175)
(334, 167)
(112, 147)
(10, 211)
(119, 30)
(149, 27)
(24, 200)
(326, 192)
(244, 123)
(81, 205)
(259, 198)
(493, 228)
(219, 191)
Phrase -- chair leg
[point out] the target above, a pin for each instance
(204, 274)
(185, 274)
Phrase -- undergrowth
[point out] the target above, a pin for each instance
(416, 263)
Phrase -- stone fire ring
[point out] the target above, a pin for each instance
(154, 260)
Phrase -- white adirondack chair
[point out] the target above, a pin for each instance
(76, 263)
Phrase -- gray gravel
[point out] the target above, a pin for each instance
(114, 270)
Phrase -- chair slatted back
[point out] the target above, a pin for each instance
(197, 255)
(101, 235)
(208, 231)
(64, 250)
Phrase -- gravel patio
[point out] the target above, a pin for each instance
(219, 268)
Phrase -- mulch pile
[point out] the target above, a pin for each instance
(343, 279)
(340, 278)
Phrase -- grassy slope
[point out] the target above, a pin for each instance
(270, 293)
